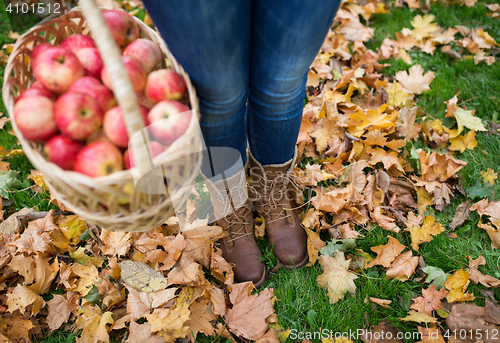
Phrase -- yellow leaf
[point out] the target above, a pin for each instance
(414, 316)
(22, 297)
(94, 324)
(457, 285)
(423, 27)
(72, 227)
(371, 120)
(489, 176)
(415, 81)
(81, 257)
(314, 245)
(336, 277)
(386, 253)
(403, 266)
(396, 95)
(424, 234)
(333, 201)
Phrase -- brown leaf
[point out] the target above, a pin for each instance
(461, 215)
(170, 323)
(142, 333)
(470, 318)
(333, 201)
(199, 244)
(60, 309)
(375, 335)
(192, 274)
(386, 253)
(23, 297)
(141, 303)
(142, 277)
(382, 302)
(387, 223)
(199, 320)
(15, 330)
(431, 334)
(476, 276)
(247, 317)
(493, 233)
(403, 266)
(36, 238)
(116, 243)
(314, 245)
(430, 300)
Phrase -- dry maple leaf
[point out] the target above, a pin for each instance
(424, 234)
(396, 95)
(461, 143)
(423, 27)
(457, 284)
(386, 253)
(336, 277)
(324, 131)
(435, 166)
(192, 274)
(15, 330)
(111, 292)
(388, 158)
(221, 269)
(36, 238)
(415, 81)
(493, 233)
(199, 243)
(461, 215)
(387, 223)
(79, 278)
(141, 303)
(314, 245)
(414, 316)
(60, 309)
(470, 318)
(430, 334)
(116, 243)
(142, 333)
(332, 201)
(489, 176)
(406, 124)
(402, 267)
(476, 276)
(430, 300)
(199, 320)
(94, 324)
(247, 317)
(379, 334)
(21, 298)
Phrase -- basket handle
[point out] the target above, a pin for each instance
(124, 93)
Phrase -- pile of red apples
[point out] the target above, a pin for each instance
(71, 106)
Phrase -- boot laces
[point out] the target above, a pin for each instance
(236, 217)
(274, 196)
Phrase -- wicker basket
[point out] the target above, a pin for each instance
(110, 202)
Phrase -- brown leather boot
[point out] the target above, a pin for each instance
(232, 207)
(269, 185)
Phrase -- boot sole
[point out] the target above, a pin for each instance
(298, 265)
(262, 279)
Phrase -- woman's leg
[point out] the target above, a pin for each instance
(210, 39)
(285, 38)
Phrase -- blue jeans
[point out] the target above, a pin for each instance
(248, 60)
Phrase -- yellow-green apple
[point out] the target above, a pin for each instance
(62, 151)
(135, 72)
(77, 42)
(165, 84)
(114, 125)
(57, 68)
(34, 116)
(98, 159)
(122, 26)
(37, 50)
(154, 147)
(92, 87)
(77, 115)
(36, 90)
(168, 120)
(146, 51)
(91, 61)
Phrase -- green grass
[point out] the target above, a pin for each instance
(302, 305)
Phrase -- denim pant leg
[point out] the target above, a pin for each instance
(285, 38)
(210, 39)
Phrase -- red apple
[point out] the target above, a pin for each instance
(98, 136)
(114, 125)
(143, 101)
(77, 42)
(122, 26)
(37, 90)
(146, 51)
(35, 118)
(62, 151)
(135, 72)
(98, 159)
(91, 61)
(92, 87)
(57, 68)
(165, 84)
(154, 147)
(168, 120)
(37, 50)
(77, 115)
